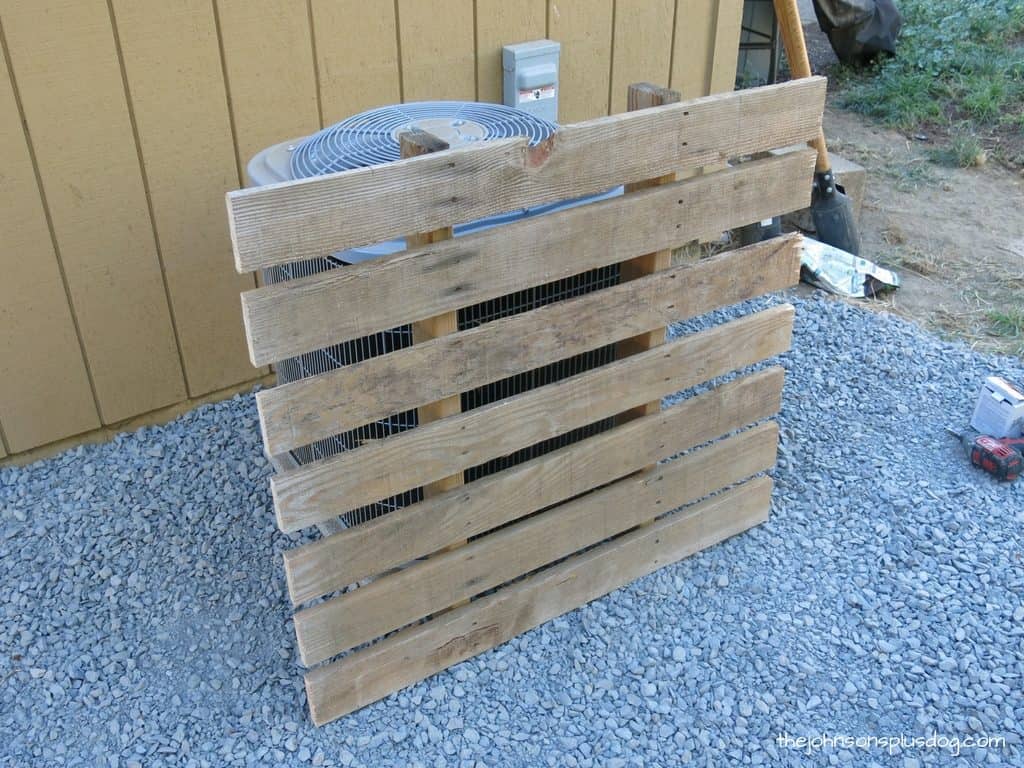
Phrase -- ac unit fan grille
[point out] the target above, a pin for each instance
(369, 139)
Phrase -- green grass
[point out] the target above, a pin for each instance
(1008, 324)
(962, 151)
(959, 65)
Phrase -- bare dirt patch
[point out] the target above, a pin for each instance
(956, 236)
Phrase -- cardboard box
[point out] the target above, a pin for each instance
(1000, 409)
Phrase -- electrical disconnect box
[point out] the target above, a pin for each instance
(531, 77)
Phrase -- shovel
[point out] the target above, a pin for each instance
(831, 209)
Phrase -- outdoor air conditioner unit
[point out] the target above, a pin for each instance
(371, 138)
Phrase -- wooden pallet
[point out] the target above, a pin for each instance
(566, 527)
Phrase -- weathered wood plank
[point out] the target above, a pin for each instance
(338, 688)
(416, 143)
(410, 459)
(313, 312)
(284, 462)
(405, 534)
(312, 217)
(645, 96)
(301, 412)
(428, 586)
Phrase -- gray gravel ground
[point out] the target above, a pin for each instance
(145, 620)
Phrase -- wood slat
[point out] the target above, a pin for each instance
(410, 459)
(423, 650)
(415, 143)
(313, 312)
(301, 412)
(404, 534)
(645, 96)
(431, 585)
(284, 462)
(309, 218)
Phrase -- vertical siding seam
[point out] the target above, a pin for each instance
(8, 61)
(239, 168)
(709, 63)
(709, 72)
(725, 55)
(231, 114)
(672, 47)
(316, 62)
(476, 55)
(611, 59)
(398, 53)
(149, 198)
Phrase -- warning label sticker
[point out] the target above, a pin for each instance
(536, 94)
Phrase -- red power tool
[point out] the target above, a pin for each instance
(1001, 457)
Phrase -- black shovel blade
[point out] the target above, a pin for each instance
(832, 213)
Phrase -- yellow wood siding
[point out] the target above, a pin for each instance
(123, 124)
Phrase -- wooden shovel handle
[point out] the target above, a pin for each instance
(792, 31)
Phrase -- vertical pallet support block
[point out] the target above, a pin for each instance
(474, 564)
(415, 143)
(644, 96)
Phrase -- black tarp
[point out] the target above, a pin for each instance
(859, 29)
